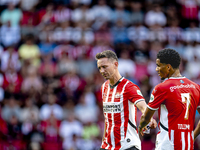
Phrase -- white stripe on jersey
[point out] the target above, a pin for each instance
(188, 140)
(163, 115)
(132, 112)
(113, 124)
(103, 89)
(107, 115)
(122, 113)
(183, 140)
(172, 136)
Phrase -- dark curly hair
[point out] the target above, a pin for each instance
(107, 54)
(169, 56)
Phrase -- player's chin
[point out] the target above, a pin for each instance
(161, 77)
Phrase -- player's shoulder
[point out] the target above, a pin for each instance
(192, 82)
(193, 85)
(185, 81)
(179, 82)
(131, 87)
(129, 83)
(163, 85)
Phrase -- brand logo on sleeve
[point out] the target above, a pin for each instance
(139, 92)
(151, 98)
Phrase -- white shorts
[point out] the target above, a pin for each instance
(163, 142)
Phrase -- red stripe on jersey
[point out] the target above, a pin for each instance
(179, 146)
(109, 132)
(126, 111)
(110, 95)
(117, 135)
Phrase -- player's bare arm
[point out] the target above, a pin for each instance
(145, 119)
(197, 129)
(142, 106)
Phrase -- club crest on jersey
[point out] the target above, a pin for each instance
(181, 81)
(117, 95)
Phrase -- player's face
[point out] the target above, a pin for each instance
(107, 67)
(162, 69)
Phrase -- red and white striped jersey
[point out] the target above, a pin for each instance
(177, 100)
(120, 114)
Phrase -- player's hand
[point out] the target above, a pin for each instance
(153, 123)
(141, 130)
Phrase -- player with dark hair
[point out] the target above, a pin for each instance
(176, 100)
(120, 98)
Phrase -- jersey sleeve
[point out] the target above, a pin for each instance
(134, 93)
(157, 98)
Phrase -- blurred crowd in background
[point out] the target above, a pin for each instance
(49, 84)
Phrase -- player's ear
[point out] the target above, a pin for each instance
(169, 67)
(116, 63)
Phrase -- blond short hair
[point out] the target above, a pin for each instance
(107, 54)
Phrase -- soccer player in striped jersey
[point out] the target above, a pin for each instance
(176, 100)
(120, 98)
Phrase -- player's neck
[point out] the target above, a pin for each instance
(176, 73)
(115, 79)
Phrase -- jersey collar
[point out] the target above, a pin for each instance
(173, 78)
(112, 86)
(177, 77)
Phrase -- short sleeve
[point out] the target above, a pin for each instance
(157, 98)
(134, 93)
